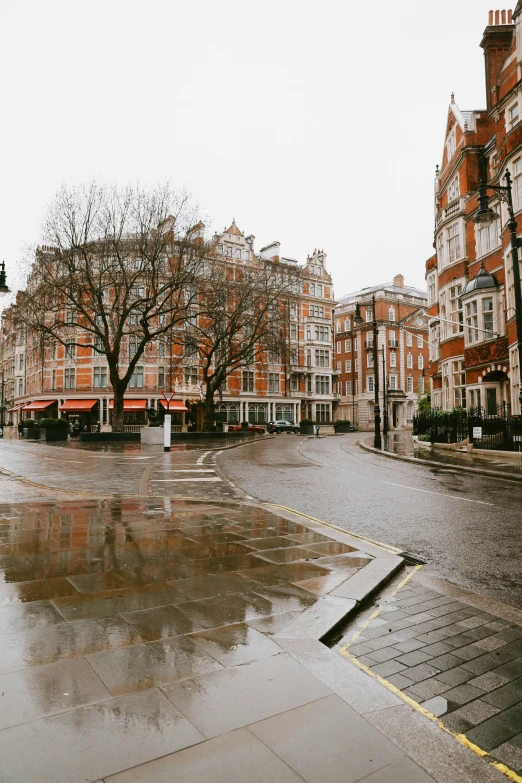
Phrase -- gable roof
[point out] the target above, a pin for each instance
(234, 229)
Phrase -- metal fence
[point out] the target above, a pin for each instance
(493, 428)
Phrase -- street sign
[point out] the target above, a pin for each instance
(477, 433)
(168, 396)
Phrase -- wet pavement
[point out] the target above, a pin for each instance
(402, 444)
(457, 655)
(465, 527)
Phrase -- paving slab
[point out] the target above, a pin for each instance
(233, 698)
(106, 738)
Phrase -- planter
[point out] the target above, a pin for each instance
(53, 433)
(342, 427)
(29, 433)
(306, 429)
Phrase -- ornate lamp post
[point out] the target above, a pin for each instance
(485, 216)
(377, 442)
(384, 402)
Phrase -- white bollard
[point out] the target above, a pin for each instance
(166, 432)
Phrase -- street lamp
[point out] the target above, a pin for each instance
(485, 216)
(3, 286)
(384, 403)
(377, 442)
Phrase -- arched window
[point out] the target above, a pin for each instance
(257, 413)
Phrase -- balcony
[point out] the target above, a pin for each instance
(368, 344)
(450, 210)
(393, 344)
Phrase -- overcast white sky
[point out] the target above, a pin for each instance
(317, 124)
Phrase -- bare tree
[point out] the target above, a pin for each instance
(240, 315)
(116, 273)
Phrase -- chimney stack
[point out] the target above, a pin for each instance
(497, 41)
(398, 280)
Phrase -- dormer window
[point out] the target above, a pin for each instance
(452, 144)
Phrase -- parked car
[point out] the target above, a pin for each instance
(282, 426)
(251, 428)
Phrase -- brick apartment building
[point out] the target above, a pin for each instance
(402, 328)
(74, 380)
(473, 343)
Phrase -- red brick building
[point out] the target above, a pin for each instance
(402, 342)
(473, 352)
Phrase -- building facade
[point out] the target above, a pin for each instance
(402, 325)
(473, 342)
(50, 380)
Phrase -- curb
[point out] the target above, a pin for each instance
(426, 463)
(324, 619)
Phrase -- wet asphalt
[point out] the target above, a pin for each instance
(466, 528)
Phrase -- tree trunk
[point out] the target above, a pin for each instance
(208, 421)
(118, 390)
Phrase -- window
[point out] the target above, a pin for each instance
(474, 398)
(409, 361)
(134, 317)
(100, 377)
(409, 340)
(322, 358)
(237, 253)
(70, 317)
(257, 413)
(161, 348)
(517, 182)
(273, 382)
(294, 356)
(440, 251)
(136, 379)
(319, 291)
(348, 365)
(293, 308)
(20, 387)
(70, 350)
(338, 346)
(472, 322)
(339, 367)
(98, 345)
(410, 384)
(393, 383)
(273, 357)
(369, 314)
(391, 314)
(322, 413)
(421, 385)
(370, 383)
(53, 381)
(451, 144)
(322, 384)
(190, 349)
(312, 289)
(487, 310)
(309, 358)
(322, 333)
(488, 238)
(338, 326)
(21, 361)
(513, 115)
(420, 362)
(293, 383)
(70, 378)
(420, 341)
(348, 386)
(348, 346)
(161, 377)
(459, 384)
(453, 243)
(339, 388)
(346, 324)
(190, 375)
(369, 360)
(369, 339)
(391, 338)
(132, 347)
(317, 311)
(393, 359)
(453, 189)
(293, 331)
(248, 381)
(432, 289)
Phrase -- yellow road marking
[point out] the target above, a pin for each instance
(387, 547)
(461, 738)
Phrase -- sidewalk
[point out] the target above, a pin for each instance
(399, 446)
(146, 639)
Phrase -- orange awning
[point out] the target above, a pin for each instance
(39, 405)
(16, 408)
(78, 406)
(130, 405)
(176, 406)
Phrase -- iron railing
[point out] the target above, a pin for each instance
(493, 428)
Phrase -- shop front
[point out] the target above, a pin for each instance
(40, 409)
(84, 415)
(134, 414)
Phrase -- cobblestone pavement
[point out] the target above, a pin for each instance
(456, 654)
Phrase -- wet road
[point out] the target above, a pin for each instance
(466, 527)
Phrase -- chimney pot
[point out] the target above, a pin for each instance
(503, 13)
(510, 16)
(497, 17)
(490, 20)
